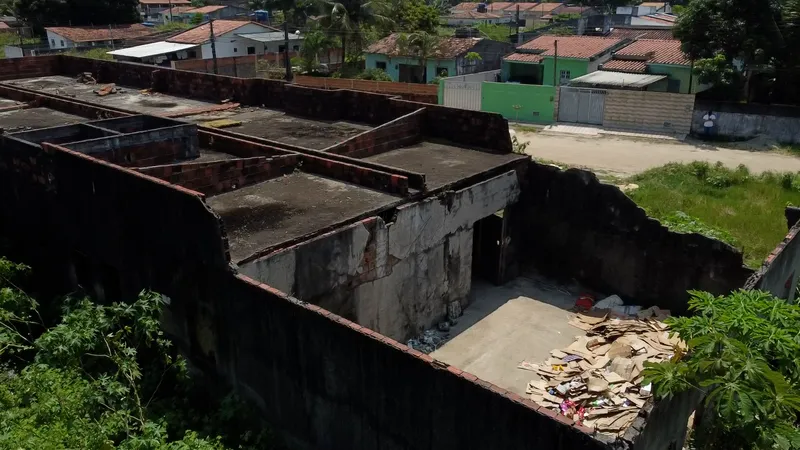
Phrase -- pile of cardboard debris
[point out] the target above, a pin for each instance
(596, 381)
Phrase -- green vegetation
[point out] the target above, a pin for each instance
(733, 205)
(13, 39)
(41, 13)
(95, 53)
(75, 374)
(743, 354)
(374, 75)
(175, 26)
(495, 32)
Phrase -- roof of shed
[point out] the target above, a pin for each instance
(619, 65)
(617, 79)
(524, 57)
(103, 33)
(153, 49)
(207, 9)
(571, 46)
(465, 6)
(654, 51)
(545, 7)
(448, 47)
(202, 33)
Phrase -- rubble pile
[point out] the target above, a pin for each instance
(596, 381)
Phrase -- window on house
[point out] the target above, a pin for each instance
(380, 65)
(296, 48)
(62, 42)
(281, 48)
(673, 85)
(235, 50)
(565, 76)
(442, 71)
(192, 54)
(251, 50)
(53, 42)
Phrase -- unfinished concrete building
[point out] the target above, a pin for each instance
(302, 249)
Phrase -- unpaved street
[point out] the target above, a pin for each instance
(623, 156)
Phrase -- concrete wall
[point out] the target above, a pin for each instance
(658, 112)
(321, 380)
(144, 148)
(576, 68)
(395, 278)
(779, 272)
(663, 425)
(680, 73)
(577, 227)
(735, 121)
(519, 102)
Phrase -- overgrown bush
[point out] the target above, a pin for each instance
(374, 74)
(744, 355)
(104, 377)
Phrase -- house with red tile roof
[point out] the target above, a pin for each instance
(551, 60)
(448, 59)
(150, 9)
(185, 14)
(70, 37)
(656, 57)
(470, 18)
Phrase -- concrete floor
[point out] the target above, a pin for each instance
(522, 320)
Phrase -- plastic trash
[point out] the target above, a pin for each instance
(609, 302)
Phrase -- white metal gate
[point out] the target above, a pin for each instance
(461, 94)
(581, 105)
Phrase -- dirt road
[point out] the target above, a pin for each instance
(623, 156)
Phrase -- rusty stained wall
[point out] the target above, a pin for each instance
(395, 278)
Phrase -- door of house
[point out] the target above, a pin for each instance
(580, 105)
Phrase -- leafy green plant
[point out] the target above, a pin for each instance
(517, 146)
(374, 74)
(196, 19)
(743, 354)
(683, 223)
(105, 376)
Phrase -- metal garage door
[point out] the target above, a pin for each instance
(460, 94)
(581, 105)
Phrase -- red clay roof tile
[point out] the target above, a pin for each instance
(448, 47)
(656, 51)
(642, 33)
(572, 46)
(201, 34)
(90, 34)
(619, 65)
(523, 57)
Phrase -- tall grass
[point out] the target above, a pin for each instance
(95, 53)
(735, 206)
(12, 38)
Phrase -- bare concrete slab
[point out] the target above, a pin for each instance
(131, 99)
(35, 118)
(522, 320)
(268, 213)
(278, 126)
(441, 163)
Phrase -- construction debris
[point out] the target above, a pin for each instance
(85, 78)
(107, 89)
(222, 123)
(596, 381)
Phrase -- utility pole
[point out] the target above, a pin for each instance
(111, 35)
(556, 81)
(170, 11)
(286, 61)
(519, 35)
(213, 46)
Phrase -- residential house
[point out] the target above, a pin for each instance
(149, 9)
(662, 57)
(576, 11)
(231, 38)
(465, 6)
(534, 15)
(654, 20)
(219, 12)
(645, 8)
(176, 14)
(103, 36)
(471, 18)
(449, 58)
(554, 60)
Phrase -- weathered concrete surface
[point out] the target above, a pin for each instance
(288, 207)
(778, 274)
(34, 118)
(504, 325)
(745, 121)
(395, 278)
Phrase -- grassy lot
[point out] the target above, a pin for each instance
(742, 209)
(95, 53)
(8, 38)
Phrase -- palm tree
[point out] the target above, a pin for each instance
(348, 18)
(421, 45)
(314, 43)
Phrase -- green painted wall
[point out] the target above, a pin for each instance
(519, 102)
(393, 65)
(576, 67)
(681, 73)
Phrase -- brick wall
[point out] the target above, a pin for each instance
(37, 99)
(223, 176)
(659, 112)
(425, 93)
(577, 227)
(144, 148)
(38, 66)
(401, 132)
